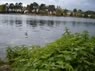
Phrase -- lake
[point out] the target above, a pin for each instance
(38, 30)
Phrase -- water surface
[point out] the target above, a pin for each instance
(38, 30)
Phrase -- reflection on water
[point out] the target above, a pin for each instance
(35, 23)
(38, 30)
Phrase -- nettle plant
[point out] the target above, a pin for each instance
(71, 52)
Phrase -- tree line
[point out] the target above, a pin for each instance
(43, 9)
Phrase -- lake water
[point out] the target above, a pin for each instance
(38, 30)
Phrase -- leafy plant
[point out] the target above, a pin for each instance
(71, 52)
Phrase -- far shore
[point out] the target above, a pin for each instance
(43, 15)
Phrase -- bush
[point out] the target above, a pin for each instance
(71, 52)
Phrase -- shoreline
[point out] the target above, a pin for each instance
(19, 57)
(43, 15)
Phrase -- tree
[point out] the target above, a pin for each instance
(30, 8)
(11, 7)
(6, 5)
(42, 7)
(16, 6)
(35, 7)
(20, 5)
(65, 12)
(59, 11)
(75, 10)
(2, 8)
(51, 8)
(80, 11)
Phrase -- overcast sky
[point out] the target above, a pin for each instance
(69, 4)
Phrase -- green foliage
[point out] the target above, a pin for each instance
(1, 62)
(59, 11)
(2, 8)
(71, 52)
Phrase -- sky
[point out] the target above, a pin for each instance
(69, 4)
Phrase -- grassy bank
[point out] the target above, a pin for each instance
(71, 52)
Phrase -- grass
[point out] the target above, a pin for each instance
(71, 52)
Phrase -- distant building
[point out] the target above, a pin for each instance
(51, 12)
(69, 13)
(89, 16)
(26, 11)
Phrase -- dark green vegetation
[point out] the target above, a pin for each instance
(71, 52)
(1, 62)
(4, 66)
(43, 9)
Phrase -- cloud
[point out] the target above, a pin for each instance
(70, 4)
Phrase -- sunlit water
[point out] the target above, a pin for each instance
(38, 30)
